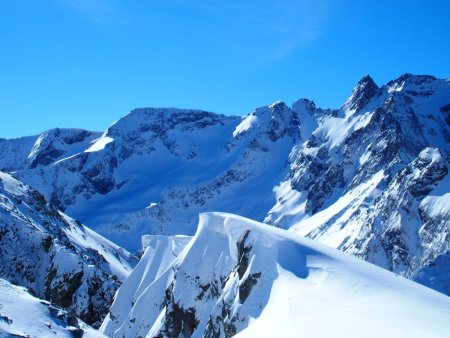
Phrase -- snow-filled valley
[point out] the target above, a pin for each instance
(370, 179)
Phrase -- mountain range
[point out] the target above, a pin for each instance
(369, 179)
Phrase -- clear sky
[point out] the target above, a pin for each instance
(86, 63)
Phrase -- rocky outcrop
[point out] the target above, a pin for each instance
(56, 257)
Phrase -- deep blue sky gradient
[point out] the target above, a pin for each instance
(86, 63)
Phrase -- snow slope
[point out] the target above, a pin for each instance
(23, 315)
(56, 257)
(240, 276)
(155, 169)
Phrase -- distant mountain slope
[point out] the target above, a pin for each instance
(44, 149)
(57, 258)
(240, 276)
(369, 178)
(23, 315)
(155, 169)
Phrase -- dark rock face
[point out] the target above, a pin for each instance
(413, 79)
(178, 322)
(45, 157)
(364, 92)
(246, 286)
(62, 292)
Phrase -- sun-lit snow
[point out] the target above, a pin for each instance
(246, 124)
(340, 212)
(276, 282)
(437, 203)
(99, 144)
(23, 315)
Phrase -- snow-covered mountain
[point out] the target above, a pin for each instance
(238, 276)
(56, 257)
(44, 149)
(23, 315)
(370, 178)
(154, 170)
(373, 180)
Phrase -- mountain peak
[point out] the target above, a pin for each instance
(367, 80)
(363, 93)
(411, 80)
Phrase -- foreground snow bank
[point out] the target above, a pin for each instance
(22, 315)
(240, 276)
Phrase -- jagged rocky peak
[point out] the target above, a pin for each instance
(363, 93)
(412, 79)
(276, 121)
(303, 105)
(309, 116)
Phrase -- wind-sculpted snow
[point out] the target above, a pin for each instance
(238, 276)
(56, 257)
(357, 178)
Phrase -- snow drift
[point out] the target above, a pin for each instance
(238, 276)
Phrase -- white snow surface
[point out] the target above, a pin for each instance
(247, 123)
(260, 281)
(99, 144)
(23, 315)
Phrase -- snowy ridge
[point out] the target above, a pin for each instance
(56, 257)
(238, 276)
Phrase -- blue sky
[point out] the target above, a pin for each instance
(86, 63)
